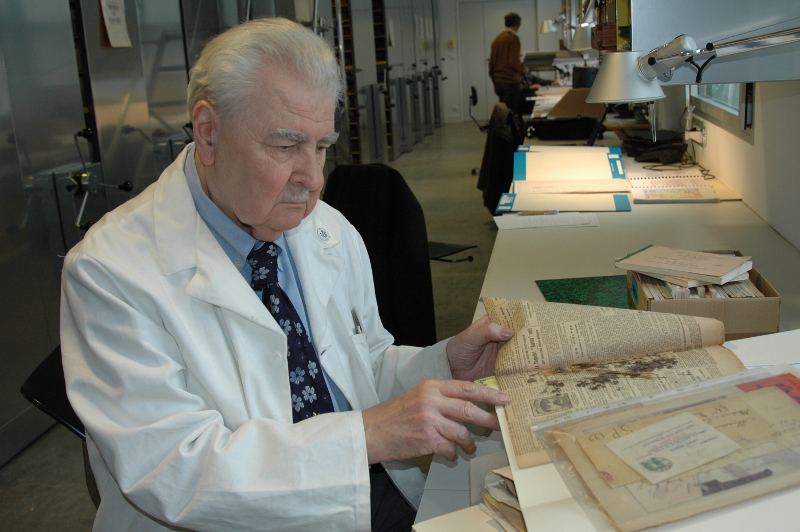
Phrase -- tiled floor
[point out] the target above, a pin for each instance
(43, 488)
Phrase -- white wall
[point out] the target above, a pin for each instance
(450, 89)
(767, 172)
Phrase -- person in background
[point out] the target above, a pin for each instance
(505, 67)
(220, 334)
(532, 82)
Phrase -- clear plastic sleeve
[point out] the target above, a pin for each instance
(758, 410)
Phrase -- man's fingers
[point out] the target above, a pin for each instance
(453, 434)
(469, 391)
(465, 411)
(490, 332)
(428, 419)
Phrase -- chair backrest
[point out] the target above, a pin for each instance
(473, 101)
(380, 205)
(45, 388)
(497, 168)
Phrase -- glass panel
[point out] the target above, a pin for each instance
(723, 95)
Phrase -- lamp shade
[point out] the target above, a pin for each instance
(582, 39)
(548, 26)
(618, 80)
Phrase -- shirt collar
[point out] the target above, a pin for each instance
(236, 242)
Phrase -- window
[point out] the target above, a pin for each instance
(728, 105)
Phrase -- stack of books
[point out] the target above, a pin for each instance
(669, 273)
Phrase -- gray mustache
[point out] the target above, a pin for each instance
(296, 195)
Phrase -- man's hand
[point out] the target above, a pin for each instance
(427, 419)
(535, 86)
(472, 353)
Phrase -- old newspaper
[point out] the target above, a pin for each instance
(565, 358)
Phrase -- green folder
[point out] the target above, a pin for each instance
(608, 291)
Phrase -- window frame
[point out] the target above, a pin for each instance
(741, 125)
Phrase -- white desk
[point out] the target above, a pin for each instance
(522, 256)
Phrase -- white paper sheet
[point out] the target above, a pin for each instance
(562, 219)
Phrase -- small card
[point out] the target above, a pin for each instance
(672, 446)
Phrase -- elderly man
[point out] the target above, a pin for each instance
(196, 319)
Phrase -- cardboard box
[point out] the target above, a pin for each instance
(743, 317)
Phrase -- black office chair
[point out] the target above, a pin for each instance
(473, 101)
(378, 202)
(46, 389)
(497, 168)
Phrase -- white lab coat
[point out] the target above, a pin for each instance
(179, 374)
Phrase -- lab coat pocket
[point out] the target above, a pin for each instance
(362, 351)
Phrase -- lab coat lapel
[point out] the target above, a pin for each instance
(184, 241)
(318, 258)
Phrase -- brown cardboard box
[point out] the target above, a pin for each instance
(743, 317)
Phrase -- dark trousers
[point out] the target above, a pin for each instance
(390, 511)
(510, 94)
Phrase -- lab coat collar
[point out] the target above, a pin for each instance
(184, 241)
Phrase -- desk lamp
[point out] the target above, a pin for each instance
(582, 38)
(552, 25)
(548, 26)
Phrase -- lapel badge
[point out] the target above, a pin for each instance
(323, 234)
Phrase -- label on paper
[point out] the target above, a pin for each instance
(672, 446)
(116, 27)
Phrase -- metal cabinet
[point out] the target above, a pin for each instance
(41, 109)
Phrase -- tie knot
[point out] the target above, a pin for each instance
(264, 262)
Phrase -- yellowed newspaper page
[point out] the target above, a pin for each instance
(540, 396)
(557, 335)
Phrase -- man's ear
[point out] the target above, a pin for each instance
(205, 126)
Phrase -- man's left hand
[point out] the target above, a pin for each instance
(472, 353)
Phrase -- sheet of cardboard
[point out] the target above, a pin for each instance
(573, 104)
(564, 202)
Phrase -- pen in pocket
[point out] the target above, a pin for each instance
(356, 321)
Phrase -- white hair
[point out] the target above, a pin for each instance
(227, 72)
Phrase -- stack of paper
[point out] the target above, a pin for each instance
(682, 264)
(655, 288)
(567, 178)
(499, 498)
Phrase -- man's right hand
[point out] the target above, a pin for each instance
(427, 420)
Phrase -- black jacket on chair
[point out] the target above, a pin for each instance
(381, 206)
(505, 133)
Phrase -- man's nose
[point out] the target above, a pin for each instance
(307, 169)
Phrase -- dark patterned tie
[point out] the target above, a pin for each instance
(310, 395)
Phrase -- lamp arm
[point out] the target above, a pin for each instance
(661, 62)
(757, 43)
